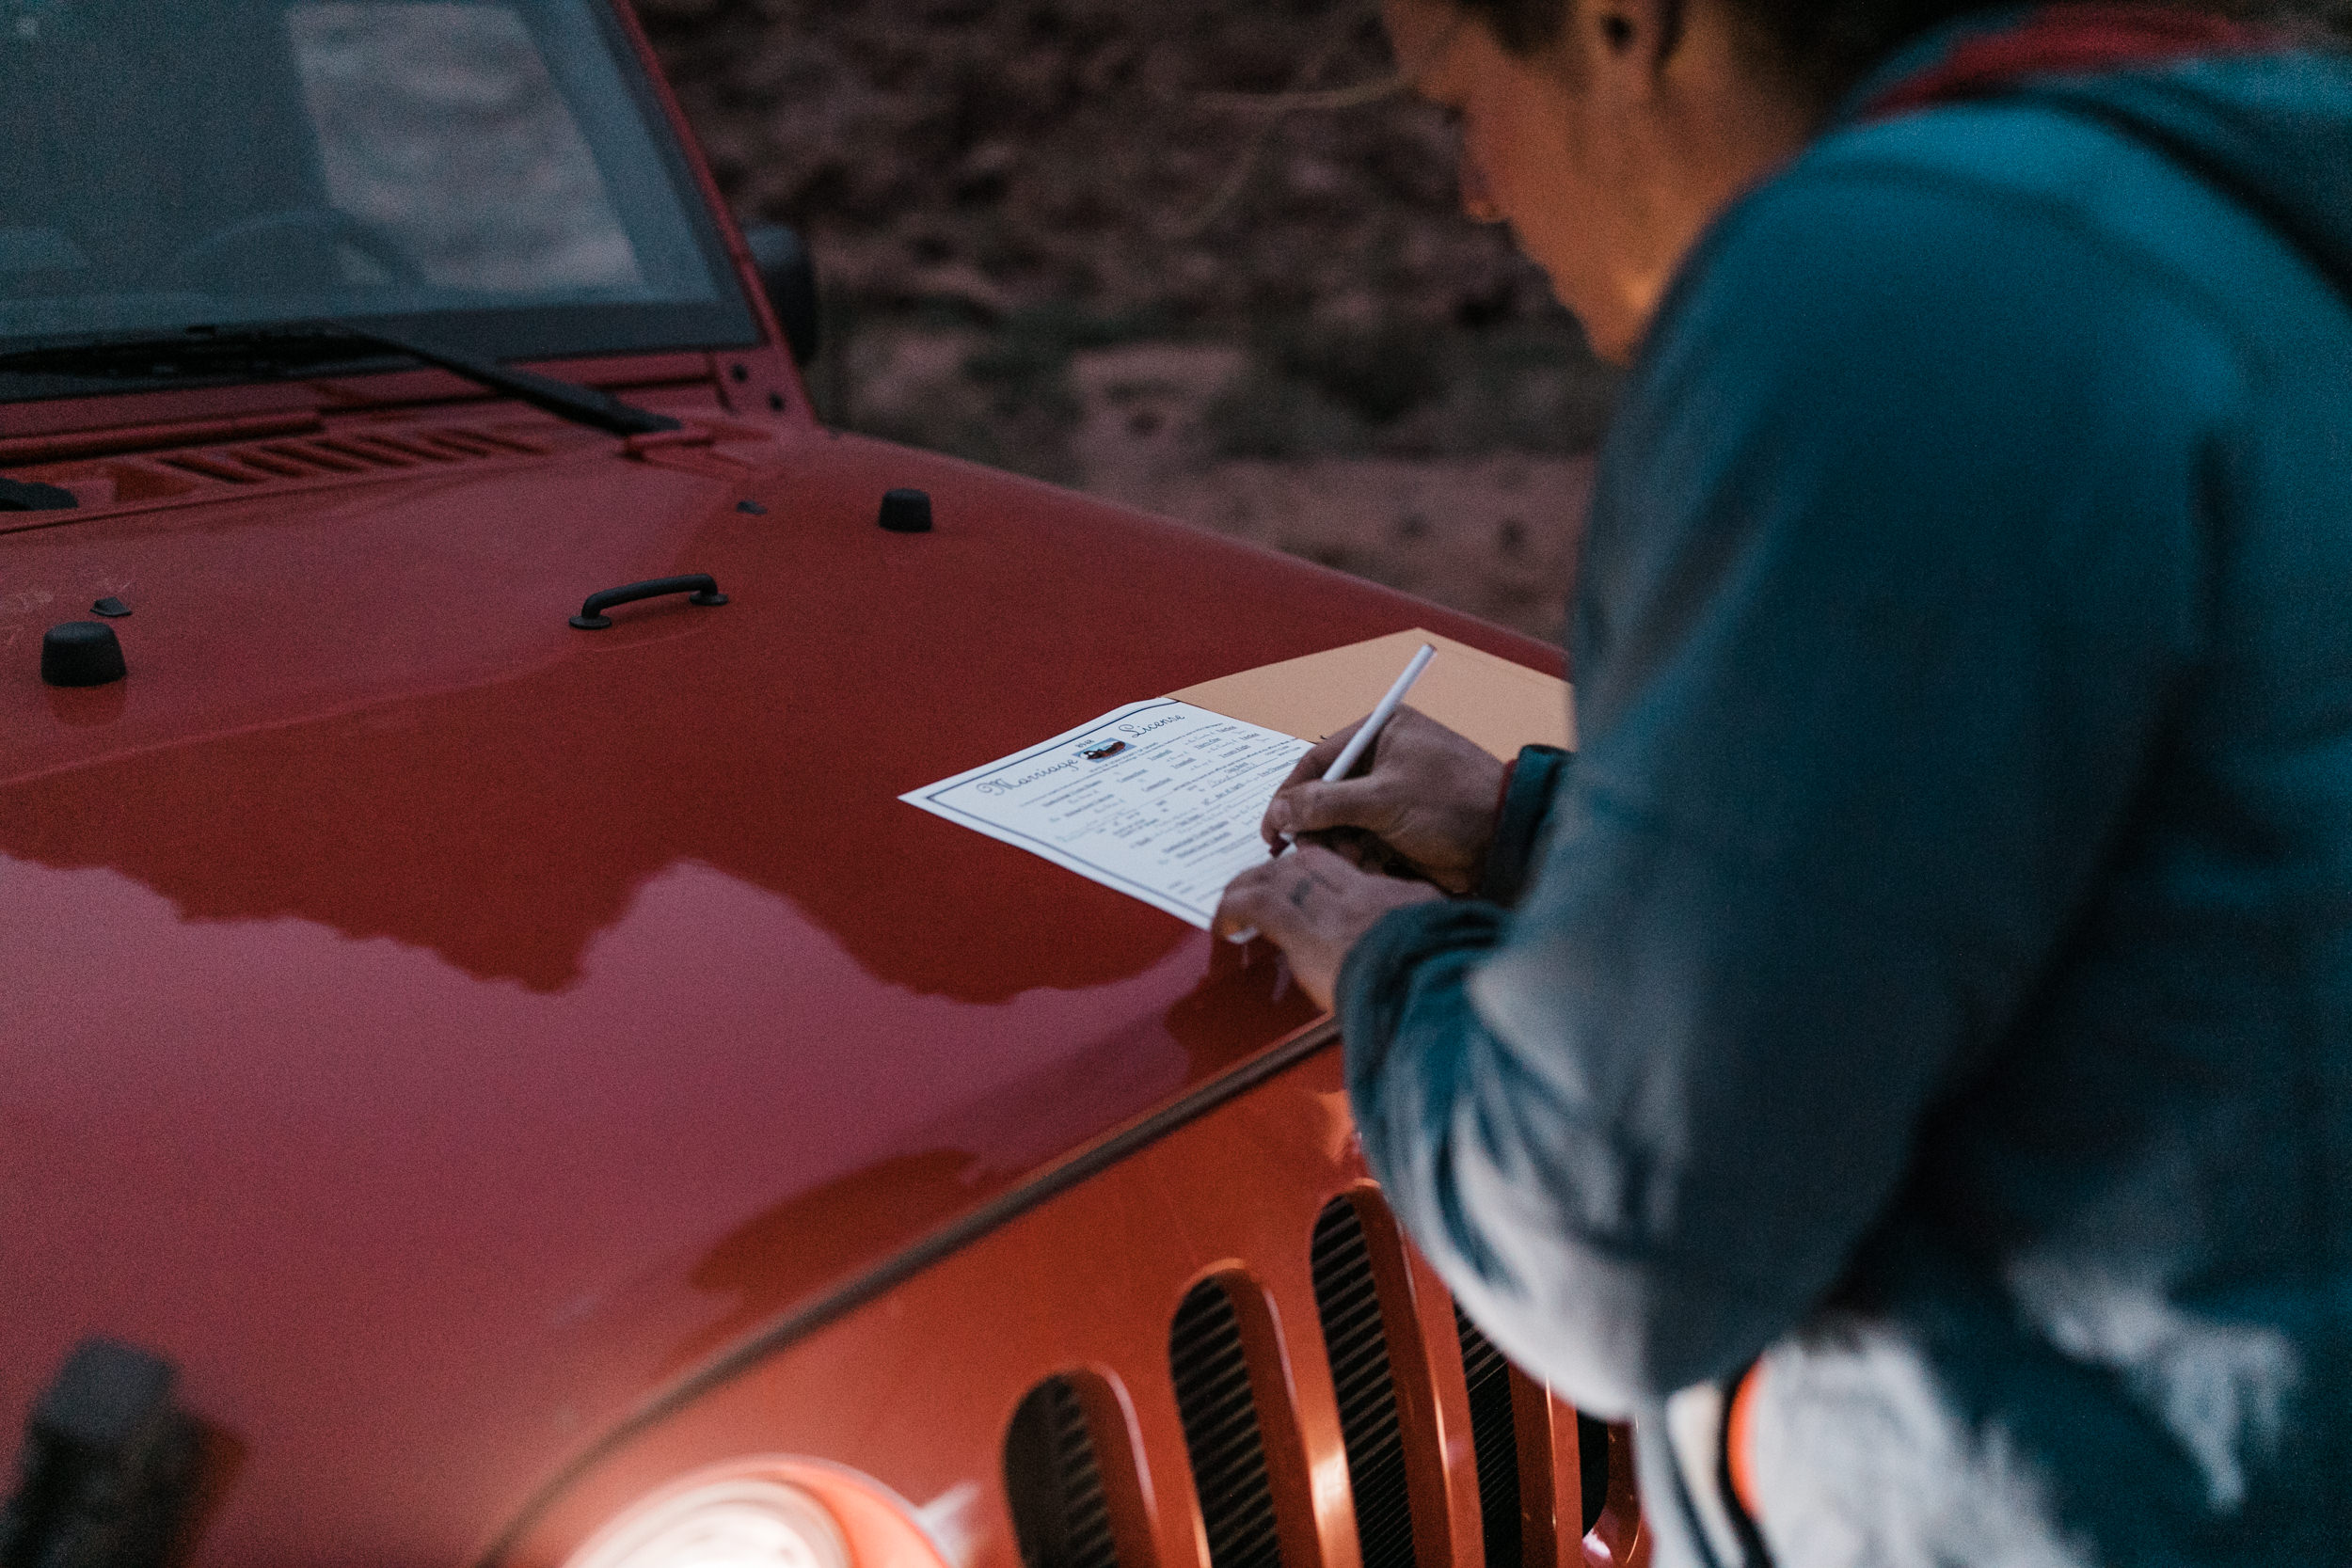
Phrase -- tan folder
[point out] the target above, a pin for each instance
(1500, 704)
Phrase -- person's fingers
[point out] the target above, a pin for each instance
(1247, 903)
(1417, 766)
(1310, 769)
(1352, 845)
(1282, 896)
(1315, 906)
(1310, 808)
(1313, 868)
(1322, 754)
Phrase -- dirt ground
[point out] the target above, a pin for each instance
(1490, 533)
(1184, 253)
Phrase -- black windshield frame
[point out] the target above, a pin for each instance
(553, 331)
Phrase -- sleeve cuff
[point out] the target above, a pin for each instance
(1394, 965)
(1534, 782)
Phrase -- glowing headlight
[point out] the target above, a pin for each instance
(746, 1522)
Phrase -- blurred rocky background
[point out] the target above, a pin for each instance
(1183, 253)
(1186, 254)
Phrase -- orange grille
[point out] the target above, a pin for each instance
(1534, 1487)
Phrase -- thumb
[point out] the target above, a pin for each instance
(1310, 808)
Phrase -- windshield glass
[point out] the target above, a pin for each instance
(490, 173)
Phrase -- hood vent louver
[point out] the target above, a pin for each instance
(346, 454)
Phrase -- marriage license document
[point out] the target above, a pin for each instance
(1160, 800)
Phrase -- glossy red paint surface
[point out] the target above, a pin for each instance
(438, 1029)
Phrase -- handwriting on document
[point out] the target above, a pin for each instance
(1159, 799)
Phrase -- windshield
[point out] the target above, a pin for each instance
(490, 173)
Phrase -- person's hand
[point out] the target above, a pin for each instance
(1315, 906)
(1426, 793)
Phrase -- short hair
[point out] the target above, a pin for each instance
(1826, 46)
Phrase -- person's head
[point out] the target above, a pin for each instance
(1822, 47)
(1609, 133)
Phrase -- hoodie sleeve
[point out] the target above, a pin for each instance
(1533, 782)
(1895, 568)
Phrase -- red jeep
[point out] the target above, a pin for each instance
(489, 1071)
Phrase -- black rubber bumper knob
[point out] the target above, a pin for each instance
(907, 511)
(81, 653)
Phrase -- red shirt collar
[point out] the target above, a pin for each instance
(2070, 41)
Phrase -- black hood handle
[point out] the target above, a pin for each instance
(701, 585)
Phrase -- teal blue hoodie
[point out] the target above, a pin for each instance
(1936, 978)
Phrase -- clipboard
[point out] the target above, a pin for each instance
(1499, 705)
(1162, 799)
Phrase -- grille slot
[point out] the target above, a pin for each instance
(1054, 1479)
(1592, 1458)
(1495, 1439)
(1222, 1431)
(1348, 1302)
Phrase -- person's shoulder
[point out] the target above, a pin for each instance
(2002, 154)
(1929, 305)
(2016, 238)
(1946, 211)
(1935, 199)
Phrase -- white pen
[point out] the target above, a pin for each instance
(1352, 752)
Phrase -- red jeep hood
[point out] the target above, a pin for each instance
(438, 1029)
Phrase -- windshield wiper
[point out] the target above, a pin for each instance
(307, 348)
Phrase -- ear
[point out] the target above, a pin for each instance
(1642, 34)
